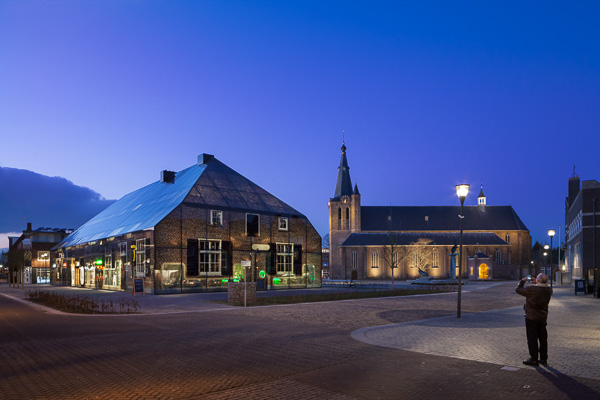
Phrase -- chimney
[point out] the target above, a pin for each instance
(574, 184)
(29, 226)
(204, 158)
(167, 176)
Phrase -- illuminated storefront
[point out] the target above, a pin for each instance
(191, 231)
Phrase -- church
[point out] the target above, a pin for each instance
(405, 242)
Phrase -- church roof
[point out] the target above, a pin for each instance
(437, 238)
(439, 218)
(210, 183)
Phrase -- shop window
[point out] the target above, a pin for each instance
(283, 224)
(210, 256)
(252, 225)
(216, 217)
(284, 258)
(43, 256)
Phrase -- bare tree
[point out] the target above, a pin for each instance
(421, 255)
(394, 253)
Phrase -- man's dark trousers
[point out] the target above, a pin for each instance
(535, 330)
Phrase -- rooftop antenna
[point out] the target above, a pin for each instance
(574, 173)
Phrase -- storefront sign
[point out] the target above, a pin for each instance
(138, 286)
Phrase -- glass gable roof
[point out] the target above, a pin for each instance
(138, 210)
(212, 185)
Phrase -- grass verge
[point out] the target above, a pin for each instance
(83, 304)
(335, 296)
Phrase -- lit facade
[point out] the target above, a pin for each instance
(582, 234)
(366, 241)
(191, 232)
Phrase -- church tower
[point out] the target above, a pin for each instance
(344, 217)
(481, 199)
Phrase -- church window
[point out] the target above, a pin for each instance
(339, 218)
(375, 259)
(508, 257)
(507, 238)
(355, 259)
(347, 213)
(498, 256)
(434, 258)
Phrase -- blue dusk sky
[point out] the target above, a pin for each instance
(105, 94)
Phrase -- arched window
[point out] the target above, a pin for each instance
(375, 259)
(508, 257)
(507, 238)
(434, 258)
(347, 213)
(498, 256)
(339, 218)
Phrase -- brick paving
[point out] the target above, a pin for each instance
(202, 350)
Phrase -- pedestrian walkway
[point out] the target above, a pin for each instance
(498, 336)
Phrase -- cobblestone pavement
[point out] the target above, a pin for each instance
(493, 336)
(300, 351)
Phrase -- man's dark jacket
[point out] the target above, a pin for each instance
(537, 298)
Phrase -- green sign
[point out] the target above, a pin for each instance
(262, 274)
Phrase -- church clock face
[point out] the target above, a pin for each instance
(345, 199)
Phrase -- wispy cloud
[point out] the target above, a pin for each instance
(45, 201)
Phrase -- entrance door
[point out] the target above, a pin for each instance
(483, 271)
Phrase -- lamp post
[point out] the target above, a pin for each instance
(546, 247)
(551, 233)
(461, 192)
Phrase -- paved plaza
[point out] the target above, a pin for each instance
(195, 347)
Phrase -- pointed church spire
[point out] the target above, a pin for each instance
(356, 188)
(344, 184)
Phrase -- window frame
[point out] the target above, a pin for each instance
(354, 259)
(219, 220)
(212, 266)
(285, 221)
(284, 257)
(140, 257)
(375, 259)
(257, 225)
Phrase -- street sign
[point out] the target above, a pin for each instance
(261, 247)
(246, 263)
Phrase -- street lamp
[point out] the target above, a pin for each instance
(461, 192)
(551, 233)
